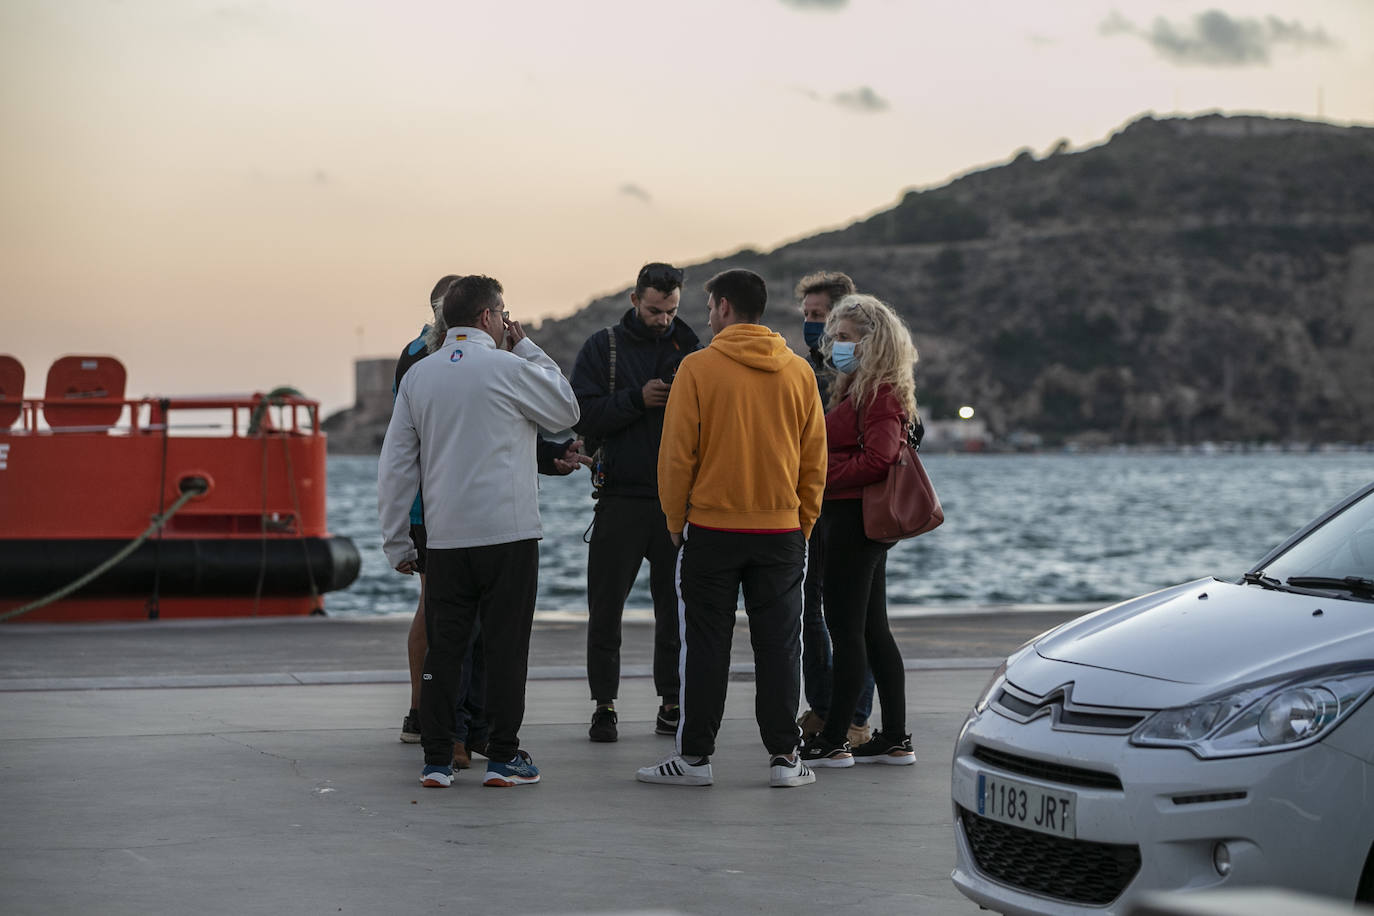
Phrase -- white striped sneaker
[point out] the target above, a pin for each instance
(783, 773)
(677, 772)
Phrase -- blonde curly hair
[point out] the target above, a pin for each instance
(438, 330)
(886, 353)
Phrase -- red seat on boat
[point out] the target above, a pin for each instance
(11, 390)
(74, 379)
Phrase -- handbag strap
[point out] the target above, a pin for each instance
(915, 430)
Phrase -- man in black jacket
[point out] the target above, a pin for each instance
(622, 378)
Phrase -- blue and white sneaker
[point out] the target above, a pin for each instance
(436, 777)
(518, 771)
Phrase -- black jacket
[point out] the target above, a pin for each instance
(617, 421)
(825, 374)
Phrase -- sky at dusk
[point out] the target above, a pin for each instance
(231, 196)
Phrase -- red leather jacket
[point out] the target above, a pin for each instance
(851, 467)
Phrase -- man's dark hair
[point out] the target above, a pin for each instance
(832, 283)
(745, 291)
(440, 288)
(467, 297)
(663, 277)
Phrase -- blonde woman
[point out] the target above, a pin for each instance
(871, 402)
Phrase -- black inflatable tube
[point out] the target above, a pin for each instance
(183, 567)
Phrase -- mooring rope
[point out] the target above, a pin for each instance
(156, 526)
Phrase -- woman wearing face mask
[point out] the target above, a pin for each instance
(871, 402)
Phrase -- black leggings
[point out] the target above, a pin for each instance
(856, 615)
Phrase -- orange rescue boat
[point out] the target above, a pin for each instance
(220, 516)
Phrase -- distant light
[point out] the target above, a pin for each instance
(966, 412)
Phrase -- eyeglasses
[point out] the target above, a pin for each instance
(505, 316)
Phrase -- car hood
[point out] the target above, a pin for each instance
(1194, 639)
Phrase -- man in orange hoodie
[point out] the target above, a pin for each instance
(741, 470)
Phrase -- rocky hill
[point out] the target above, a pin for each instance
(1192, 279)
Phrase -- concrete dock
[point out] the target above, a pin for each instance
(255, 767)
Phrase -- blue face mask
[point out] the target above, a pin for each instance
(843, 356)
(812, 332)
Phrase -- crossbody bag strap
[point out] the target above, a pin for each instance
(599, 455)
(915, 430)
(611, 338)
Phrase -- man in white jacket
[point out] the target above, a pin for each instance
(465, 425)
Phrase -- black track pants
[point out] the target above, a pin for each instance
(627, 532)
(496, 584)
(714, 566)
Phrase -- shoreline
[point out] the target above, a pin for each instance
(315, 651)
(636, 616)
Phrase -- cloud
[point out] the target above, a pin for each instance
(1215, 39)
(824, 5)
(861, 99)
(629, 189)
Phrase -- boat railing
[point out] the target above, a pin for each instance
(248, 415)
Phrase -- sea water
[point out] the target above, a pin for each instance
(1042, 529)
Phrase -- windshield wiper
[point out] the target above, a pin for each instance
(1259, 578)
(1356, 585)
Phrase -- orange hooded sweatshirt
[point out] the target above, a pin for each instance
(743, 444)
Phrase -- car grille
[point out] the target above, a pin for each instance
(1065, 716)
(1050, 772)
(1072, 870)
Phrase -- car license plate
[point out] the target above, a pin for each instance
(1024, 805)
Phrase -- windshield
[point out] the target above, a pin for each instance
(1342, 547)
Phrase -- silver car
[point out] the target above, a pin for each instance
(1213, 734)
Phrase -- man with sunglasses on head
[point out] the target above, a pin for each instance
(465, 425)
(622, 378)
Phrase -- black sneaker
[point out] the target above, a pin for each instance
(820, 753)
(894, 751)
(603, 725)
(668, 719)
(410, 727)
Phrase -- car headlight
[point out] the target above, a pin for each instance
(1000, 674)
(985, 697)
(1276, 715)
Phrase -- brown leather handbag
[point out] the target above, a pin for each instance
(905, 503)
